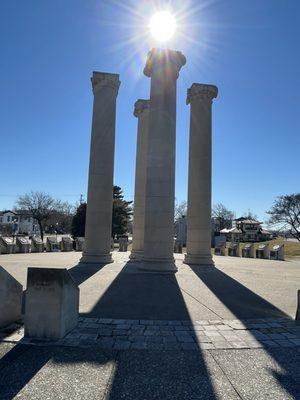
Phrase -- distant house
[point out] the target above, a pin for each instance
(246, 230)
(18, 222)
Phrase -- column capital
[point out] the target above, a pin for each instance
(201, 90)
(101, 79)
(164, 58)
(140, 106)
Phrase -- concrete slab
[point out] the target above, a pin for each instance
(236, 288)
(56, 373)
(169, 375)
(220, 297)
(39, 372)
(260, 374)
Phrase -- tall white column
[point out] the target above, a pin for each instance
(141, 111)
(101, 170)
(200, 98)
(163, 67)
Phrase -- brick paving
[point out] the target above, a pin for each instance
(124, 334)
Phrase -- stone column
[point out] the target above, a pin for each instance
(101, 170)
(141, 111)
(163, 67)
(199, 182)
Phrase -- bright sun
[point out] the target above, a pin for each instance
(162, 26)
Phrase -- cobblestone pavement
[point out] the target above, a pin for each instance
(124, 334)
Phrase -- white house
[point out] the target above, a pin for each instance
(246, 230)
(17, 222)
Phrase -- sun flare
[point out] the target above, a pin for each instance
(162, 26)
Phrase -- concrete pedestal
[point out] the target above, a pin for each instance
(141, 111)
(163, 67)
(11, 292)
(37, 245)
(7, 245)
(101, 170)
(52, 303)
(52, 244)
(123, 244)
(22, 245)
(200, 97)
(79, 244)
(66, 244)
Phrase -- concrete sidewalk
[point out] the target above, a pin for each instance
(232, 328)
(60, 373)
(236, 288)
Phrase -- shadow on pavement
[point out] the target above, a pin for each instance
(140, 295)
(138, 374)
(245, 304)
(141, 374)
(240, 300)
(82, 272)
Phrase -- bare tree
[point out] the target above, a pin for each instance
(285, 213)
(222, 215)
(62, 216)
(250, 215)
(180, 209)
(40, 205)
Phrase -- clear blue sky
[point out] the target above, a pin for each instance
(249, 49)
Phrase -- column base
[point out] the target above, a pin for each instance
(96, 258)
(194, 259)
(163, 265)
(136, 255)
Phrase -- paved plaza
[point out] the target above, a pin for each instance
(211, 333)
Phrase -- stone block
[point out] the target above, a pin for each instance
(277, 252)
(52, 244)
(7, 245)
(79, 244)
(220, 249)
(234, 250)
(11, 292)
(66, 244)
(22, 245)
(123, 243)
(37, 245)
(52, 303)
(263, 251)
(248, 250)
(178, 246)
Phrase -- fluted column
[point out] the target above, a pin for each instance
(200, 98)
(141, 111)
(163, 68)
(101, 170)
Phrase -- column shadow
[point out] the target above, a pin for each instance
(240, 300)
(140, 295)
(135, 295)
(247, 306)
(82, 272)
(139, 374)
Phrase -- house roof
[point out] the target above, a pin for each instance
(23, 212)
(16, 212)
(231, 230)
(7, 211)
(248, 221)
